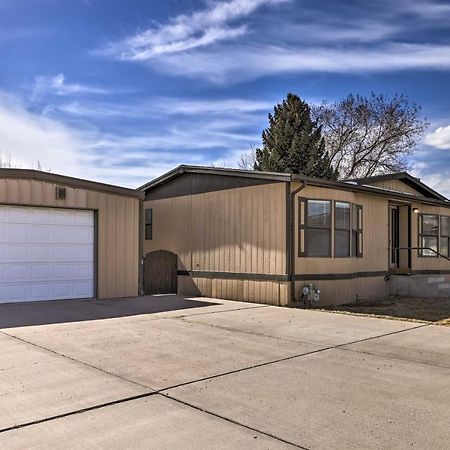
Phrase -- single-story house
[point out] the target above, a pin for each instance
(261, 237)
(64, 238)
(224, 233)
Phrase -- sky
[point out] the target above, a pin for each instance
(123, 91)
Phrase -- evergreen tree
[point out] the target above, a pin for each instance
(293, 143)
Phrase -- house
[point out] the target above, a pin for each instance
(224, 233)
(64, 238)
(262, 237)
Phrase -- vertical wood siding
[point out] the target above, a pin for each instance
(395, 185)
(240, 230)
(118, 228)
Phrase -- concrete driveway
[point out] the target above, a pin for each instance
(166, 372)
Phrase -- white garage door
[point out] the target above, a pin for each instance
(46, 254)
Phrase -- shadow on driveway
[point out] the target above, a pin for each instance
(63, 311)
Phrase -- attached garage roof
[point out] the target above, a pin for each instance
(27, 174)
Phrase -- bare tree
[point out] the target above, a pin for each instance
(247, 160)
(6, 161)
(369, 136)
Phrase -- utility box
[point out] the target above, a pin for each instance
(310, 294)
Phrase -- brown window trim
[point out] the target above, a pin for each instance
(360, 231)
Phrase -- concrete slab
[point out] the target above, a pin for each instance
(153, 422)
(429, 345)
(36, 384)
(316, 327)
(335, 399)
(160, 353)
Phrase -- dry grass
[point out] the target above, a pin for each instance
(426, 310)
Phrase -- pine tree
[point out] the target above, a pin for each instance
(293, 143)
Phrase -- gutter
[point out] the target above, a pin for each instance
(290, 208)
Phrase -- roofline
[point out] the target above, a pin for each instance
(37, 175)
(275, 176)
(347, 186)
(400, 176)
(285, 177)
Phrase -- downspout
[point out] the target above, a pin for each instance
(292, 237)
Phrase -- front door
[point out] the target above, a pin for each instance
(400, 238)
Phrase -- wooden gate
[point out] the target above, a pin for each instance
(160, 273)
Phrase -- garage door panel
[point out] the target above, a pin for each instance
(40, 233)
(46, 254)
(62, 216)
(84, 218)
(83, 234)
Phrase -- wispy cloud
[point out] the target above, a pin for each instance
(157, 107)
(129, 155)
(215, 44)
(28, 137)
(219, 67)
(214, 24)
(57, 85)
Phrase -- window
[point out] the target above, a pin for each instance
(318, 228)
(445, 234)
(316, 225)
(149, 224)
(428, 234)
(341, 229)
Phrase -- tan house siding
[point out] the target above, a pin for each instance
(118, 228)
(235, 231)
(395, 185)
(375, 250)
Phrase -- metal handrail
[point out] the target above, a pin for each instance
(423, 248)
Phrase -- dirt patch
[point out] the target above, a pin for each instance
(427, 310)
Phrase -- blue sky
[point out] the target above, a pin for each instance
(123, 91)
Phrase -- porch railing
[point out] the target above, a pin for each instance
(440, 255)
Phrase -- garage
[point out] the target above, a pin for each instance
(46, 254)
(67, 238)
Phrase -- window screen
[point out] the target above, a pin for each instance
(342, 229)
(429, 235)
(445, 234)
(318, 228)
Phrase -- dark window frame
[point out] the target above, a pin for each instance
(148, 217)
